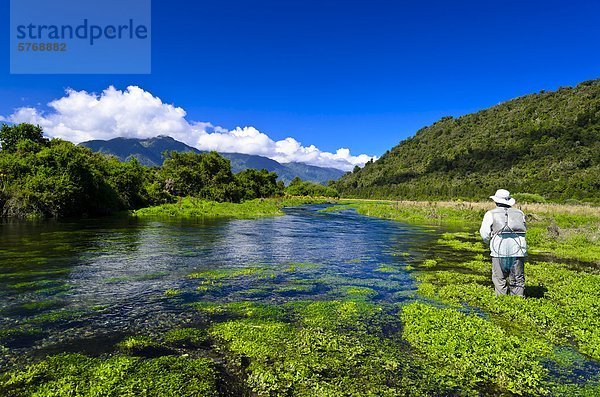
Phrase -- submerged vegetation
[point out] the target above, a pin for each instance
(77, 375)
(358, 338)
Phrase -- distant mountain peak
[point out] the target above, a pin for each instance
(149, 152)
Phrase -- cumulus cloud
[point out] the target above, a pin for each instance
(135, 113)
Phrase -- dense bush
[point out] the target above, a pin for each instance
(55, 178)
(258, 184)
(297, 187)
(206, 175)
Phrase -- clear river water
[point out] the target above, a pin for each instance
(83, 285)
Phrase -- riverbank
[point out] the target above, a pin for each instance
(190, 207)
(570, 232)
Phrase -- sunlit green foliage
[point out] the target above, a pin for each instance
(258, 184)
(60, 179)
(192, 207)
(42, 178)
(297, 187)
(467, 353)
(546, 144)
(202, 175)
(69, 375)
(12, 136)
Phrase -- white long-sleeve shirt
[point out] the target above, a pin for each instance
(504, 229)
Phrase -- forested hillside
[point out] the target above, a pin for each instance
(546, 143)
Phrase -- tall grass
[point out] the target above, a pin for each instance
(559, 230)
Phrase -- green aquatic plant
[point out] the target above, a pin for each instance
(386, 269)
(567, 310)
(171, 292)
(136, 344)
(428, 263)
(207, 286)
(7, 334)
(255, 292)
(458, 243)
(357, 292)
(185, 337)
(67, 375)
(209, 308)
(466, 352)
(249, 309)
(326, 352)
(300, 266)
(26, 274)
(36, 285)
(136, 277)
(39, 305)
(355, 260)
(57, 315)
(337, 314)
(224, 273)
(242, 309)
(296, 289)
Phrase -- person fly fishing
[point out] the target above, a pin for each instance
(504, 228)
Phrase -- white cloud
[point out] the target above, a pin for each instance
(135, 113)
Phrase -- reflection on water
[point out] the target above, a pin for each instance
(79, 285)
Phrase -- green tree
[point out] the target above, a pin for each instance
(297, 187)
(258, 184)
(130, 180)
(205, 175)
(11, 135)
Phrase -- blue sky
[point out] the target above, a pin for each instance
(356, 74)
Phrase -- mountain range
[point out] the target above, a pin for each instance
(150, 151)
(545, 144)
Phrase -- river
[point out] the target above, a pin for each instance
(83, 285)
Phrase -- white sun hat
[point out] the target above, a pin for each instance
(502, 196)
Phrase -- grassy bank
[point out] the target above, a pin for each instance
(190, 207)
(569, 232)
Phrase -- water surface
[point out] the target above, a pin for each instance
(83, 285)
